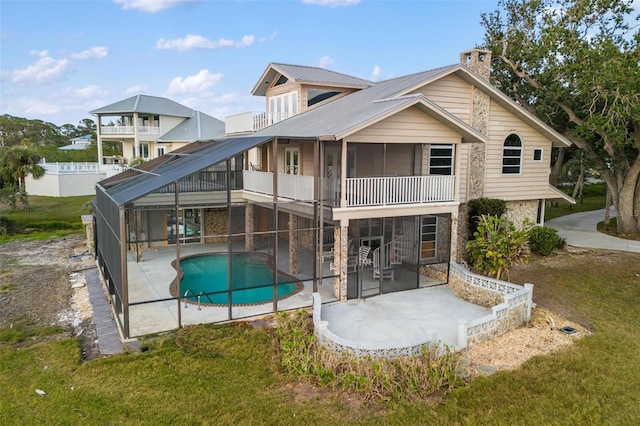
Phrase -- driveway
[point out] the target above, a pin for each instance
(579, 229)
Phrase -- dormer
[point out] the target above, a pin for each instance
(292, 89)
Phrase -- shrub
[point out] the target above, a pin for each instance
(484, 206)
(543, 241)
(8, 226)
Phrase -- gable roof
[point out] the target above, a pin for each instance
(362, 108)
(145, 104)
(198, 127)
(306, 75)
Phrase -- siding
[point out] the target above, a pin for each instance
(533, 180)
(409, 126)
(451, 93)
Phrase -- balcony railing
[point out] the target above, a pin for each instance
(252, 121)
(129, 130)
(69, 168)
(372, 191)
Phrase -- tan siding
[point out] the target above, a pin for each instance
(451, 93)
(408, 126)
(533, 180)
(306, 156)
(399, 160)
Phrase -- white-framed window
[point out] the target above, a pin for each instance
(512, 154)
(441, 160)
(292, 161)
(160, 152)
(283, 106)
(537, 154)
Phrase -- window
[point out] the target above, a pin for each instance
(292, 161)
(441, 160)
(537, 154)
(160, 152)
(316, 95)
(281, 80)
(282, 107)
(143, 150)
(511, 154)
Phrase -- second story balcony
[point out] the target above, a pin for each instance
(360, 192)
(252, 121)
(129, 130)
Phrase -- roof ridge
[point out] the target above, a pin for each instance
(321, 68)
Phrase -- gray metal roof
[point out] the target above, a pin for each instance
(200, 126)
(145, 104)
(177, 167)
(357, 109)
(308, 75)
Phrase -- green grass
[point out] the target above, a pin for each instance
(228, 374)
(48, 217)
(593, 199)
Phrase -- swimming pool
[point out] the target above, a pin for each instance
(207, 276)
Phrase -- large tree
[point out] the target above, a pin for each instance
(16, 163)
(576, 64)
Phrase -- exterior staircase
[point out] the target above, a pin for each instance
(394, 253)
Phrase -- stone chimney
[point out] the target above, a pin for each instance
(478, 61)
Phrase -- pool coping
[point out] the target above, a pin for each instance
(173, 287)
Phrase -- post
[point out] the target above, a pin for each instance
(529, 288)
(462, 333)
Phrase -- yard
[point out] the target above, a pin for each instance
(227, 373)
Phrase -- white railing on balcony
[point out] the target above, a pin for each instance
(382, 191)
(252, 121)
(296, 187)
(69, 168)
(129, 130)
(372, 191)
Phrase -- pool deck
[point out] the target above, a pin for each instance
(391, 319)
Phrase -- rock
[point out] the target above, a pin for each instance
(40, 392)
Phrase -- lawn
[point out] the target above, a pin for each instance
(48, 217)
(228, 374)
(593, 199)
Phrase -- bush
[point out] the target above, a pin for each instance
(543, 241)
(8, 226)
(484, 206)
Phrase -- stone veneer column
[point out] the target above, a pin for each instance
(293, 244)
(340, 253)
(454, 255)
(248, 228)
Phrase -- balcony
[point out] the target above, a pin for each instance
(252, 121)
(129, 130)
(372, 191)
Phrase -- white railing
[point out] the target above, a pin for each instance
(70, 168)
(381, 191)
(296, 187)
(129, 130)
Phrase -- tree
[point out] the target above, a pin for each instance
(16, 163)
(574, 63)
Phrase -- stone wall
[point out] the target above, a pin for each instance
(518, 211)
(214, 224)
(473, 294)
(437, 271)
(463, 232)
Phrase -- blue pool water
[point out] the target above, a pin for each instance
(252, 279)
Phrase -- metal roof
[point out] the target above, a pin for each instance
(200, 126)
(308, 75)
(171, 167)
(145, 104)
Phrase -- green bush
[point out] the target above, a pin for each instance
(8, 226)
(484, 206)
(543, 241)
(51, 225)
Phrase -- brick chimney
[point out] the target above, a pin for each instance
(478, 60)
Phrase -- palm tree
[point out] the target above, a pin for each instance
(16, 163)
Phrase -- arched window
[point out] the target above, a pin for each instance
(511, 154)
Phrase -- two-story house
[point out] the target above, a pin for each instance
(150, 126)
(372, 179)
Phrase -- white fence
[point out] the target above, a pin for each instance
(296, 187)
(70, 168)
(514, 311)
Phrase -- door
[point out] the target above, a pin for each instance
(292, 161)
(368, 283)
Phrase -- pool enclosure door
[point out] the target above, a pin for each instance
(189, 229)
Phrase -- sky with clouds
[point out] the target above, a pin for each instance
(60, 59)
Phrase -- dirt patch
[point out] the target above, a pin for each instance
(42, 284)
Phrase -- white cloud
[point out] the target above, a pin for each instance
(375, 74)
(45, 70)
(332, 3)
(28, 106)
(326, 62)
(198, 83)
(88, 92)
(150, 6)
(192, 41)
(134, 90)
(93, 53)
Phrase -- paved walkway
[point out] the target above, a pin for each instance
(579, 229)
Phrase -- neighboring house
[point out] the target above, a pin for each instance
(150, 126)
(372, 178)
(79, 143)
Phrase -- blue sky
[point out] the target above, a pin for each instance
(61, 59)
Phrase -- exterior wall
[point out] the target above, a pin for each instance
(167, 123)
(64, 185)
(214, 223)
(451, 93)
(400, 160)
(533, 180)
(519, 211)
(306, 156)
(410, 126)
